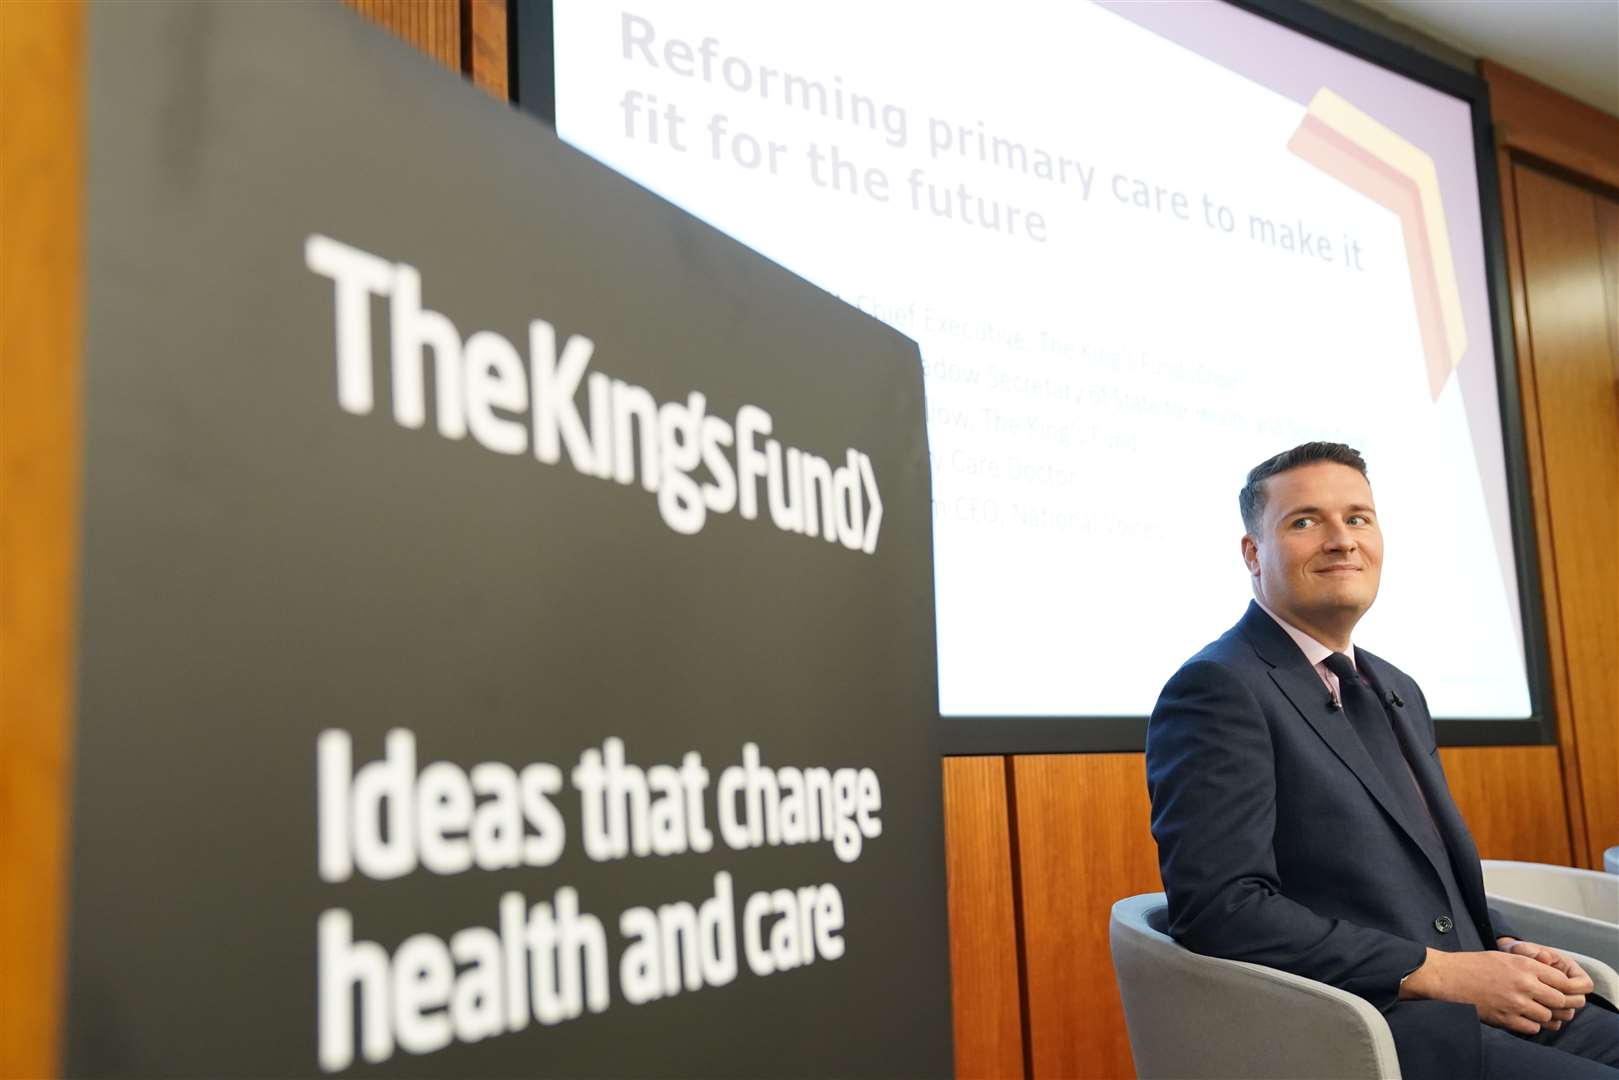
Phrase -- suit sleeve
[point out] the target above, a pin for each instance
(1211, 775)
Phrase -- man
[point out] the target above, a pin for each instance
(1303, 819)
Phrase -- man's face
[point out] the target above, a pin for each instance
(1319, 553)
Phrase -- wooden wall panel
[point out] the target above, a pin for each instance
(1083, 842)
(41, 177)
(1571, 353)
(1512, 800)
(1533, 118)
(1553, 280)
(468, 36)
(433, 26)
(1550, 585)
(1608, 246)
(486, 55)
(984, 951)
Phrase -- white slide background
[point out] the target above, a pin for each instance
(1095, 397)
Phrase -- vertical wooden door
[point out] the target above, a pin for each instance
(1568, 245)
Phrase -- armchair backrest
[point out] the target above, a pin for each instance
(1193, 1017)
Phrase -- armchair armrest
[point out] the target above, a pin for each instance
(1604, 976)
(1561, 929)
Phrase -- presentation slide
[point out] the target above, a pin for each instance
(1142, 247)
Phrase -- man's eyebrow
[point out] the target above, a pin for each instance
(1355, 508)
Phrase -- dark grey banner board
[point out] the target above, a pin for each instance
(506, 631)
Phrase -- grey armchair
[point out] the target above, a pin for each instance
(1560, 906)
(1192, 1017)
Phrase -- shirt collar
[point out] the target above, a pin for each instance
(1313, 650)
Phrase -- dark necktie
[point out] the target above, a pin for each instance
(1372, 724)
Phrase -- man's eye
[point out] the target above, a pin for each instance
(1299, 523)
(1359, 519)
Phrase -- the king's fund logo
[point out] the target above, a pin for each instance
(695, 462)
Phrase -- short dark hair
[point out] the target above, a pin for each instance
(1251, 499)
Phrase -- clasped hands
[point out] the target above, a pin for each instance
(1522, 987)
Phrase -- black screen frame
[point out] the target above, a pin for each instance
(532, 79)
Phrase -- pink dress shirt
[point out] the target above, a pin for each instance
(1313, 650)
(1317, 653)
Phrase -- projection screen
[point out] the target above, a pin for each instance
(1142, 247)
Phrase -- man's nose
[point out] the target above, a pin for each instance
(1340, 538)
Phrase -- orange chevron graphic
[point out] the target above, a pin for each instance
(1345, 143)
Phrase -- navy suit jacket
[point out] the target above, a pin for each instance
(1280, 842)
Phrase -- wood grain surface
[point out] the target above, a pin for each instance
(1562, 239)
(1571, 351)
(41, 220)
(984, 954)
(1534, 119)
(1608, 245)
(1535, 466)
(1512, 800)
(485, 29)
(433, 26)
(1083, 843)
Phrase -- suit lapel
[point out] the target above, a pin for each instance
(1293, 675)
(1458, 841)
(1459, 847)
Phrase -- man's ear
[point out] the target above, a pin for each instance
(1250, 554)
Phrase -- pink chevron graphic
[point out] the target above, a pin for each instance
(1349, 145)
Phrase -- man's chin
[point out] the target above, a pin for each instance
(1339, 604)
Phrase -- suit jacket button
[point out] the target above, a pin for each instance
(1443, 924)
